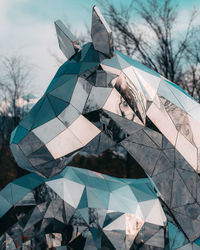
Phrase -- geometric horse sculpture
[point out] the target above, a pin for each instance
(78, 210)
(100, 99)
(81, 209)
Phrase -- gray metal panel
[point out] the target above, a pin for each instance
(66, 39)
(101, 33)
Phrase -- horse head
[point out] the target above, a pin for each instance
(100, 98)
(97, 77)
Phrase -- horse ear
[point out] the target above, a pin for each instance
(101, 33)
(66, 40)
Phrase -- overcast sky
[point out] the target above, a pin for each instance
(27, 28)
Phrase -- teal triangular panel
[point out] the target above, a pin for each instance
(137, 64)
(57, 104)
(45, 114)
(83, 201)
(57, 82)
(65, 91)
(19, 134)
(29, 119)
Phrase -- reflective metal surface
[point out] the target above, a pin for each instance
(98, 99)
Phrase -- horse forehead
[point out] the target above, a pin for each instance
(74, 81)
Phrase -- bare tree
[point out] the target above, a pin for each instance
(191, 81)
(15, 78)
(153, 38)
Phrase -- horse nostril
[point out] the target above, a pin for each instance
(30, 144)
(20, 158)
(31, 153)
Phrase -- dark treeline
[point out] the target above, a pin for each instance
(15, 78)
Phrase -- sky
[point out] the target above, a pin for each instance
(27, 28)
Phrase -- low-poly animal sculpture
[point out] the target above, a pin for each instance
(81, 209)
(100, 99)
